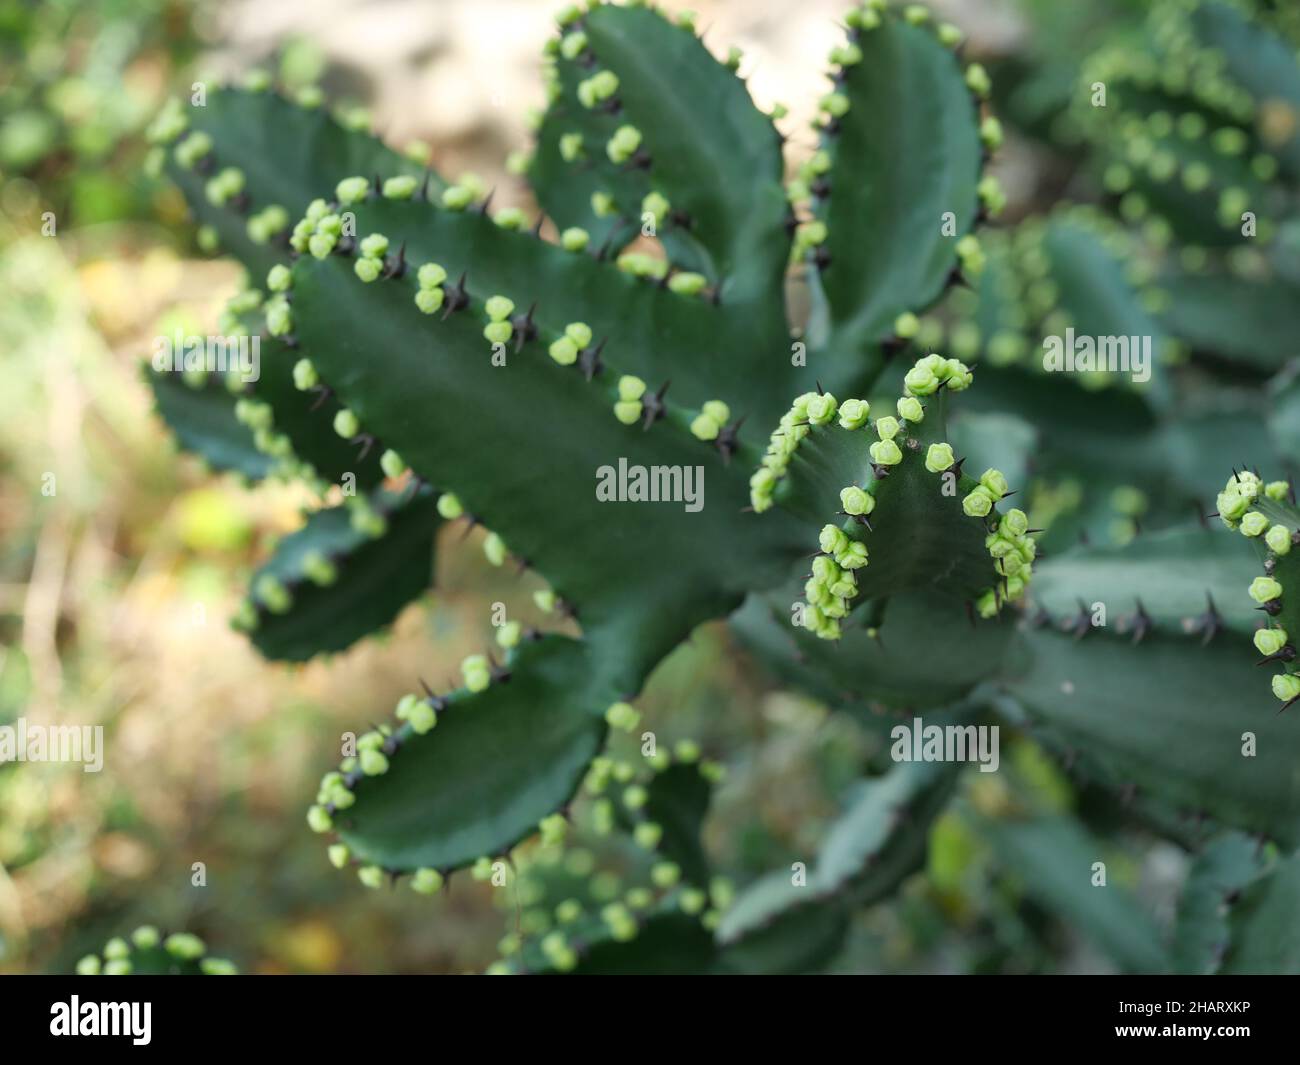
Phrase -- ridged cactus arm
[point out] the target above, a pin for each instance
(1224, 868)
(346, 573)
(650, 331)
(467, 774)
(879, 839)
(425, 385)
(895, 185)
(148, 952)
(1163, 701)
(200, 409)
(644, 101)
(250, 161)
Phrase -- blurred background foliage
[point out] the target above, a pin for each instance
(115, 588)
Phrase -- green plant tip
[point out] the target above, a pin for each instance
(1286, 686)
(575, 239)
(564, 351)
(368, 270)
(449, 507)
(319, 820)
(90, 965)
(499, 308)
(628, 412)
(494, 548)
(457, 197)
(821, 409)
(339, 855)
(371, 876)
(146, 937)
(648, 834)
(1278, 539)
(498, 332)
(400, 188)
(476, 672)
(426, 881)
(976, 505)
(887, 427)
(705, 428)
(391, 463)
(431, 275)
(218, 967)
(553, 828)
(117, 967)
(117, 947)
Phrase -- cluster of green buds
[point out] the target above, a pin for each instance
(148, 951)
(318, 231)
(429, 295)
(224, 186)
(1013, 554)
(640, 264)
(468, 189)
(369, 264)
(812, 408)
(499, 329)
(934, 372)
(576, 339)
(194, 148)
(628, 408)
(711, 421)
(832, 585)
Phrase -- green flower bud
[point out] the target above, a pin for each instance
(647, 835)
(117, 947)
(1265, 589)
(854, 555)
(634, 797)
(512, 218)
(976, 505)
(1253, 524)
(832, 539)
(305, 377)
(977, 80)
(628, 411)
(939, 457)
(920, 381)
(575, 239)
(371, 876)
(426, 881)
(602, 205)
(279, 318)
(498, 332)
(457, 197)
(579, 333)
(686, 283)
(367, 270)
(1286, 686)
(373, 763)
(218, 967)
(910, 409)
(90, 965)
(1278, 539)
(352, 190)
(318, 818)
(1270, 641)
(499, 308)
(494, 549)
(429, 300)
(991, 133)
(624, 144)
(449, 507)
(346, 424)
(907, 325)
(186, 946)
(665, 875)
(692, 901)
(146, 937)
(821, 409)
(705, 428)
(887, 427)
(272, 593)
(117, 967)
(1014, 523)
(622, 716)
(400, 188)
(1278, 491)
(995, 483)
(339, 855)
(885, 453)
(856, 501)
(374, 246)
(853, 413)
(477, 673)
(564, 351)
(553, 829)
(431, 275)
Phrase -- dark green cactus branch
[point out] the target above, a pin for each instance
(249, 161)
(627, 122)
(895, 185)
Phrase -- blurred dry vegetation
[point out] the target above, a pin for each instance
(115, 589)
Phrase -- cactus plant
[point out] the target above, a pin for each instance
(872, 488)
